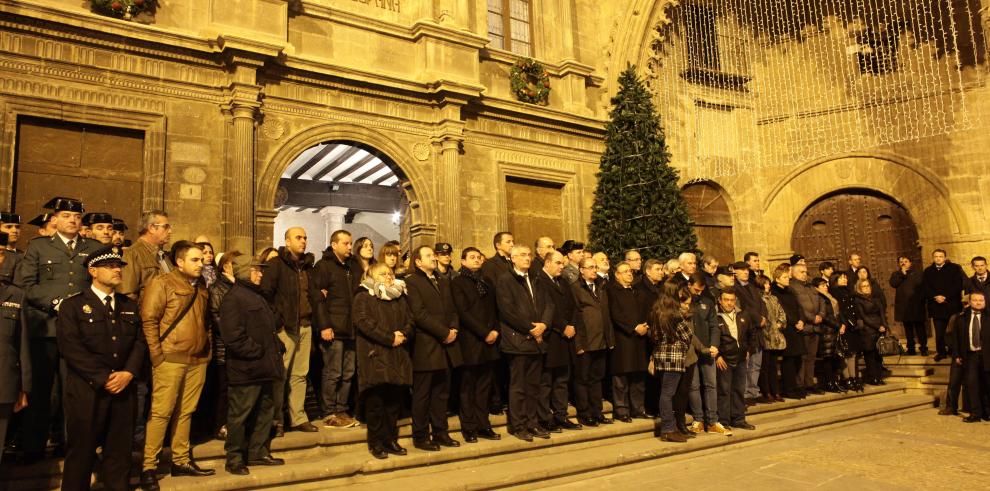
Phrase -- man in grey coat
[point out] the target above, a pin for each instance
(812, 312)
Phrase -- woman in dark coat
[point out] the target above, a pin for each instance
(384, 326)
(793, 333)
(872, 319)
(863, 273)
(219, 288)
(851, 343)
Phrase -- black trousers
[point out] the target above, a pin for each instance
(42, 416)
(524, 390)
(916, 330)
(553, 394)
(629, 394)
(250, 415)
(956, 376)
(220, 413)
(940, 326)
(682, 396)
(769, 383)
(789, 367)
(732, 384)
(874, 365)
(431, 389)
(588, 386)
(476, 391)
(95, 419)
(382, 406)
(976, 383)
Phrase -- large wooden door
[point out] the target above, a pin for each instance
(876, 228)
(100, 165)
(535, 209)
(712, 220)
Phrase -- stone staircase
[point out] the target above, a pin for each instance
(921, 374)
(339, 458)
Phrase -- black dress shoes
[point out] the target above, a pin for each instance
(523, 435)
(149, 481)
(641, 416)
(568, 425)
(589, 422)
(605, 421)
(489, 434)
(236, 468)
(552, 426)
(743, 426)
(538, 432)
(625, 418)
(470, 436)
(948, 412)
(191, 469)
(426, 444)
(306, 427)
(378, 453)
(266, 460)
(394, 448)
(446, 441)
(971, 419)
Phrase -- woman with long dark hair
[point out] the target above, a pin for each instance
(209, 272)
(670, 327)
(364, 251)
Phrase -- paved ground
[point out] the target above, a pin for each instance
(916, 450)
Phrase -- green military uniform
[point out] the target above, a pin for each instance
(15, 364)
(49, 273)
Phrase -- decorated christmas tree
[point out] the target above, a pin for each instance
(638, 204)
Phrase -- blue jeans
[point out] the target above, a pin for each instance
(706, 413)
(668, 386)
(753, 366)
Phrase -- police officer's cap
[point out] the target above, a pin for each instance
(7, 217)
(570, 246)
(58, 204)
(443, 248)
(106, 256)
(41, 220)
(119, 225)
(90, 219)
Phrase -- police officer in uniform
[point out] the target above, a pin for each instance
(15, 365)
(101, 341)
(100, 227)
(51, 270)
(10, 224)
(45, 223)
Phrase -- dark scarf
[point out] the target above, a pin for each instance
(477, 278)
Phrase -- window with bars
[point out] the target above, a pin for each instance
(510, 25)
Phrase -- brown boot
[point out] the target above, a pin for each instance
(673, 437)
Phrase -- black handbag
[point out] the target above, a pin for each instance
(888, 345)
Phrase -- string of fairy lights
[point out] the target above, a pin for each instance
(745, 84)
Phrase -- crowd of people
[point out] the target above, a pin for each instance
(108, 344)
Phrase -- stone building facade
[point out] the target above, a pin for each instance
(221, 96)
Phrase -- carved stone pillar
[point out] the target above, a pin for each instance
(334, 217)
(448, 176)
(238, 205)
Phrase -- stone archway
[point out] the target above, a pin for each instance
(421, 204)
(918, 190)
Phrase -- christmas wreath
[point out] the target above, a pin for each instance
(123, 9)
(530, 82)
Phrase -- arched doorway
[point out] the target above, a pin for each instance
(709, 209)
(343, 184)
(862, 222)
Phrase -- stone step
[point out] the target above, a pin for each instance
(910, 370)
(530, 468)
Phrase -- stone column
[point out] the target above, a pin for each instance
(449, 194)
(238, 216)
(334, 219)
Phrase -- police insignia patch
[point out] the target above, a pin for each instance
(87, 309)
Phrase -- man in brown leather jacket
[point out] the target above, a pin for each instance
(173, 311)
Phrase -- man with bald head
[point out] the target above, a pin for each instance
(290, 286)
(543, 246)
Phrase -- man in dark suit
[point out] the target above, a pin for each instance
(980, 281)
(15, 364)
(552, 407)
(435, 351)
(736, 329)
(967, 338)
(51, 271)
(524, 315)
(499, 262)
(593, 339)
(544, 245)
(942, 284)
(477, 311)
(629, 359)
(909, 306)
(103, 345)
